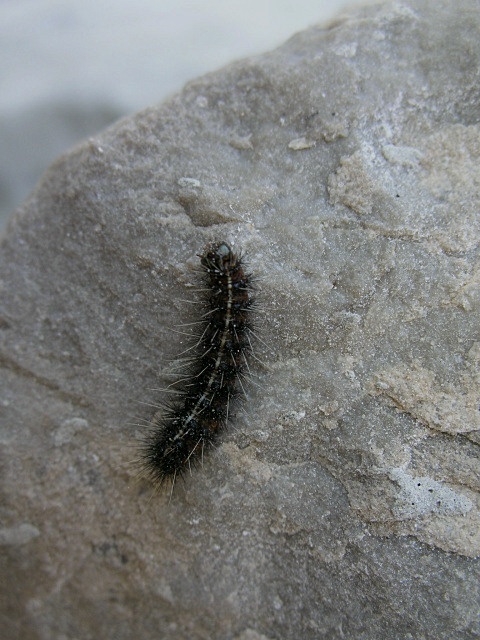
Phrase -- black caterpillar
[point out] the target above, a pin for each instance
(179, 437)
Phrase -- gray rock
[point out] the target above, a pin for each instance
(33, 136)
(344, 501)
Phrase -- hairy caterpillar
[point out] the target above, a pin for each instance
(179, 437)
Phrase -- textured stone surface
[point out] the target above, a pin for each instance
(345, 502)
(69, 69)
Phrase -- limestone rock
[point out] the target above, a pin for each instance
(345, 500)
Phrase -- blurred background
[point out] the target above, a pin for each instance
(69, 68)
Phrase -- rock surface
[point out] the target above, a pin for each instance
(69, 69)
(345, 500)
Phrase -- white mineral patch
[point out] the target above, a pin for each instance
(19, 535)
(419, 496)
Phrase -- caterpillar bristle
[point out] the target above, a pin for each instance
(181, 434)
